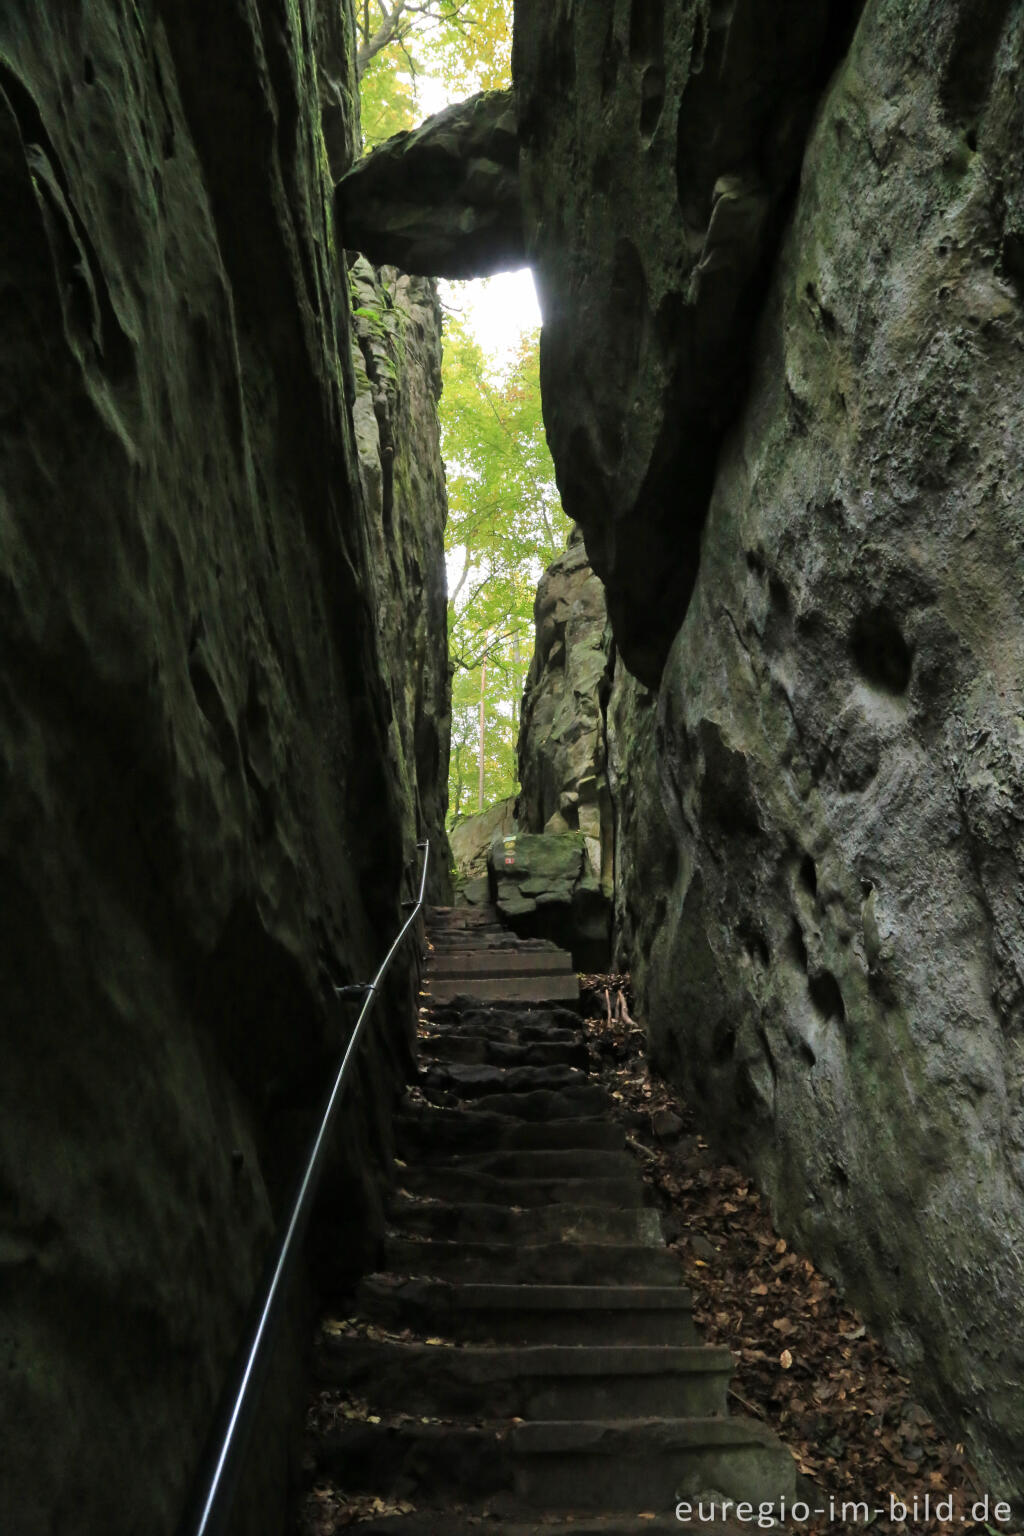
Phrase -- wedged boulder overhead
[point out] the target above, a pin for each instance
(441, 200)
(660, 142)
(835, 969)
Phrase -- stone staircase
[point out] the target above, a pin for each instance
(473, 955)
(526, 1346)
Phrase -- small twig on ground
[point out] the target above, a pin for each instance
(750, 1407)
(622, 1012)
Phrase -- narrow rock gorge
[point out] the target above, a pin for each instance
(776, 707)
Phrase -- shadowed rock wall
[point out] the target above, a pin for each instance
(397, 363)
(660, 141)
(819, 820)
(210, 758)
(562, 750)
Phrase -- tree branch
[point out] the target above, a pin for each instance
(385, 33)
(392, 29)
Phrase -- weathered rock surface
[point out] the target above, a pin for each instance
(833, 791)
(397, 364)
(443, 199)
(562, 745)
(207, 786)
(471, 838)
(544, 888)
(659, 142)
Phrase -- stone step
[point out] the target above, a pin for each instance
(646, 1523)
(479, 962)
(533, 1264)
(498, 1034)
(474, 1017)
(473, 1082)
(566, 1465)
(538, 1382)
(560, 988)
(445, 1182)
(481, 1223)
(530, 1314)
(584, 1100)
(545, 1164)
(433, 1135)
(540, 1024)
(606, 1466)
(480, 1050)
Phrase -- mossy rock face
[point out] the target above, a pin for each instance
(562, 739)
(396, 355)
(544, 889)
(821, 859)
(209, 763)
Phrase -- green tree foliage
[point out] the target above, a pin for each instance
(505, 524)
(505, 518)
(460, 45)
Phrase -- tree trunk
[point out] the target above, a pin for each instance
(517, 662)
(483, 690)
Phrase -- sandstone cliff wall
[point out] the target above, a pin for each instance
(562, 749)
(820, 854)
(212, 763)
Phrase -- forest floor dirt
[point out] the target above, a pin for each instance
(807, 1364)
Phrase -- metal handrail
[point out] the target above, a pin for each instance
(212, 1503)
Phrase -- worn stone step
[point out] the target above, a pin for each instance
(478, 1018)
(451, 1461)
(646, 1523)
(473, 1082)
(501, 1035)
(533, 1264)
(433, 1135)
(539, 1382)
(541, 1025)
(547, 1163)
(582, 1099)
(530, 1314)
(480, 1050)
(480, 962)
(567, 1465)
(603, 1466)
(562, 988)
(445, 1182)
(443, 1221)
